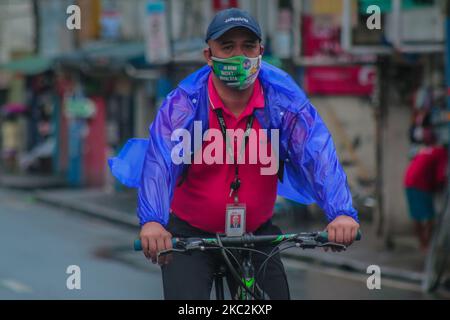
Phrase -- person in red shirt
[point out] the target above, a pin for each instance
(425, 175)
(208, 192)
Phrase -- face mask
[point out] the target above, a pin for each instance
(238, 72)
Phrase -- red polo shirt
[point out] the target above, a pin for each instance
(202, 198)
(427, 170)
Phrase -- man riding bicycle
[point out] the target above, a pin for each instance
(235, 90)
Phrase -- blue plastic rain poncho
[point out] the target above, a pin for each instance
(312, 172)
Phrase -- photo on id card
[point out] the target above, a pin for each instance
(235, 220)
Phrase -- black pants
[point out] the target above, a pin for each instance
(190, 276)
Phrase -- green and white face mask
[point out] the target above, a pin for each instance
(238, 72)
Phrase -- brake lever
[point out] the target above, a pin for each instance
(335, 245)
(168, 251)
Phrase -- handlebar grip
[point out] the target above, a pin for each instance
(323, 236)
(138, 245)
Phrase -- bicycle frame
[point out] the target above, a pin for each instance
(218, 283)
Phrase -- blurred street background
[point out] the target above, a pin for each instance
(70, 99)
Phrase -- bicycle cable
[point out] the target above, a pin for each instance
(229, 251)
(233, 270)
(271, 255)
(263, 293)
(265, 262)
(249, 249)
(244, 249)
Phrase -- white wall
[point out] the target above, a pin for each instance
(16, 28)
(55, 38)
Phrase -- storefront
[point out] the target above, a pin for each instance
(409, 92)
(29, 128)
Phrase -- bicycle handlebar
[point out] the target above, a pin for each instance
(312, 239)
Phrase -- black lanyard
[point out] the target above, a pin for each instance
(236, 182)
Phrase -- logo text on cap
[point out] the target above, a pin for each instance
(236, 19)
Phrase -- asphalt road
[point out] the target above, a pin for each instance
(39, 242)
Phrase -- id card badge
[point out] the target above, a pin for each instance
(235, 220)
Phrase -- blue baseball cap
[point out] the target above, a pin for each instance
(231, 18)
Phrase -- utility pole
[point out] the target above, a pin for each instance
(447, 76)
(447, 58)
(37, 26)
(381, 104)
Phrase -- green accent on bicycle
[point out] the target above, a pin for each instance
(242, 294)
(249, 283)
(278, 239)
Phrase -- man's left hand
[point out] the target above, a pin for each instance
(342, 230)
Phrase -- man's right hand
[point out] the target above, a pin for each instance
(155, 238)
